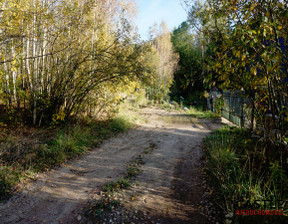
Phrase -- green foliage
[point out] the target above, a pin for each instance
(246, 51)
(188, 79)
(239, 174)
(219, 103)
(111, 187)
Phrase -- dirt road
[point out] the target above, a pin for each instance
(169, 190)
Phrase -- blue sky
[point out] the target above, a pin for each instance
(151, 11)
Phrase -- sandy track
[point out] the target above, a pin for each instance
(168, 188)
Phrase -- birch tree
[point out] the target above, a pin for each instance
(164, 61)
(54, 54)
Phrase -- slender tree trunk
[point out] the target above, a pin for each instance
(14, 74)
(34, 68)
(7, 81)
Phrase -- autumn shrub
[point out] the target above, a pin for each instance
(141, 99)
(240, 176)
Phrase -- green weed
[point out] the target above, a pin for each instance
(108, 201)
(99, 208)
(120, 124)
(122, 183)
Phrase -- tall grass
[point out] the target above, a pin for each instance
(240, 177)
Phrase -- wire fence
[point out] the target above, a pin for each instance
(234, 107)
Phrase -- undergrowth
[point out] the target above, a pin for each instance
(242, 179)
(25, 153)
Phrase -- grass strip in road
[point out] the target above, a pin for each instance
(109, 201)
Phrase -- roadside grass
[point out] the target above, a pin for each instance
(28, 151)
(241, 180)
(170, 106)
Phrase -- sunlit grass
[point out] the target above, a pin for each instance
(201, 114)
(130, 114)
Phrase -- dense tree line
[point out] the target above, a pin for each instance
(188, 78)
(61, 57)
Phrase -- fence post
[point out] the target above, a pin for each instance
(242, 121)
(229, 107)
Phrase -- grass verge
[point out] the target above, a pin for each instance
(241, 180)
(25, 152)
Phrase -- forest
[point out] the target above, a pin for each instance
(67, 66)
